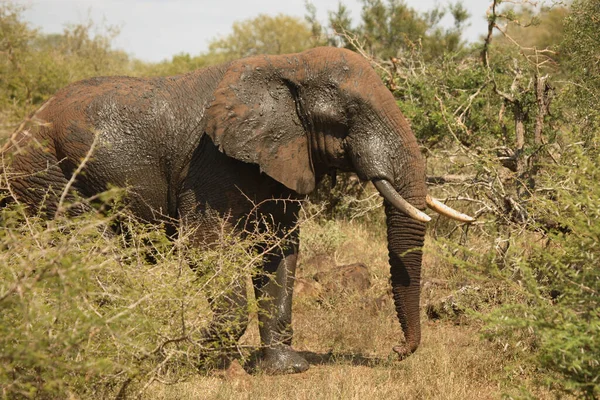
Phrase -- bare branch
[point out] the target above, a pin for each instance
(59, 207)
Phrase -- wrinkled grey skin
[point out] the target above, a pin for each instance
(266, 127)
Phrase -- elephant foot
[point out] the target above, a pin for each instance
(281, 360)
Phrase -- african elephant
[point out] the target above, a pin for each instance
(258, 128)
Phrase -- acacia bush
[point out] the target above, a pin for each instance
(557, 323)
(87, 313)
(558, 276)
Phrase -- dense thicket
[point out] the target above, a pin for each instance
(509, 125)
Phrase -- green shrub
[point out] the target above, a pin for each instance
(556, 323)
(84, 313)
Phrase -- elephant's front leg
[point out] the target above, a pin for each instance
(274, 291)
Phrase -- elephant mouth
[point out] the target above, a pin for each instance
(386, 189)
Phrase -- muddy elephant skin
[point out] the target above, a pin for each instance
(254, 129)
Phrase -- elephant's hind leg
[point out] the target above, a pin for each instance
(40, 179)
(230, 316)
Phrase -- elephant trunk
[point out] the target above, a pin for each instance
(405, 222)
(405, 241)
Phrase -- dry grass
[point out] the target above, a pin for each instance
(452, 364)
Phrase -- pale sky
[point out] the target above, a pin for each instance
(153, 30)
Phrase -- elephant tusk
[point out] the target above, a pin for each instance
(447, 211)
(390, 194)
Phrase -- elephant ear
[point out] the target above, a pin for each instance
(254, 118)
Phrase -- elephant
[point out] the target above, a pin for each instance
(227, 138)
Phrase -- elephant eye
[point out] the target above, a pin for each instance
(352, 109)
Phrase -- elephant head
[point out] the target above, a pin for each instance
(299, 116)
